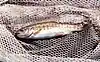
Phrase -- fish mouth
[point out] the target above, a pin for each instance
(50, 29)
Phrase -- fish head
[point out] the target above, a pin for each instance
(26, 32)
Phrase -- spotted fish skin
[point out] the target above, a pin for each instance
(48, 29)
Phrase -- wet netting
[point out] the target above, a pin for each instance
(79, 46)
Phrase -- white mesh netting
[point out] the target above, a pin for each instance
(78, 47)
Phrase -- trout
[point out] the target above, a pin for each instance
(43, 30)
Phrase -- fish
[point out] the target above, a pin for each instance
(50, 29)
